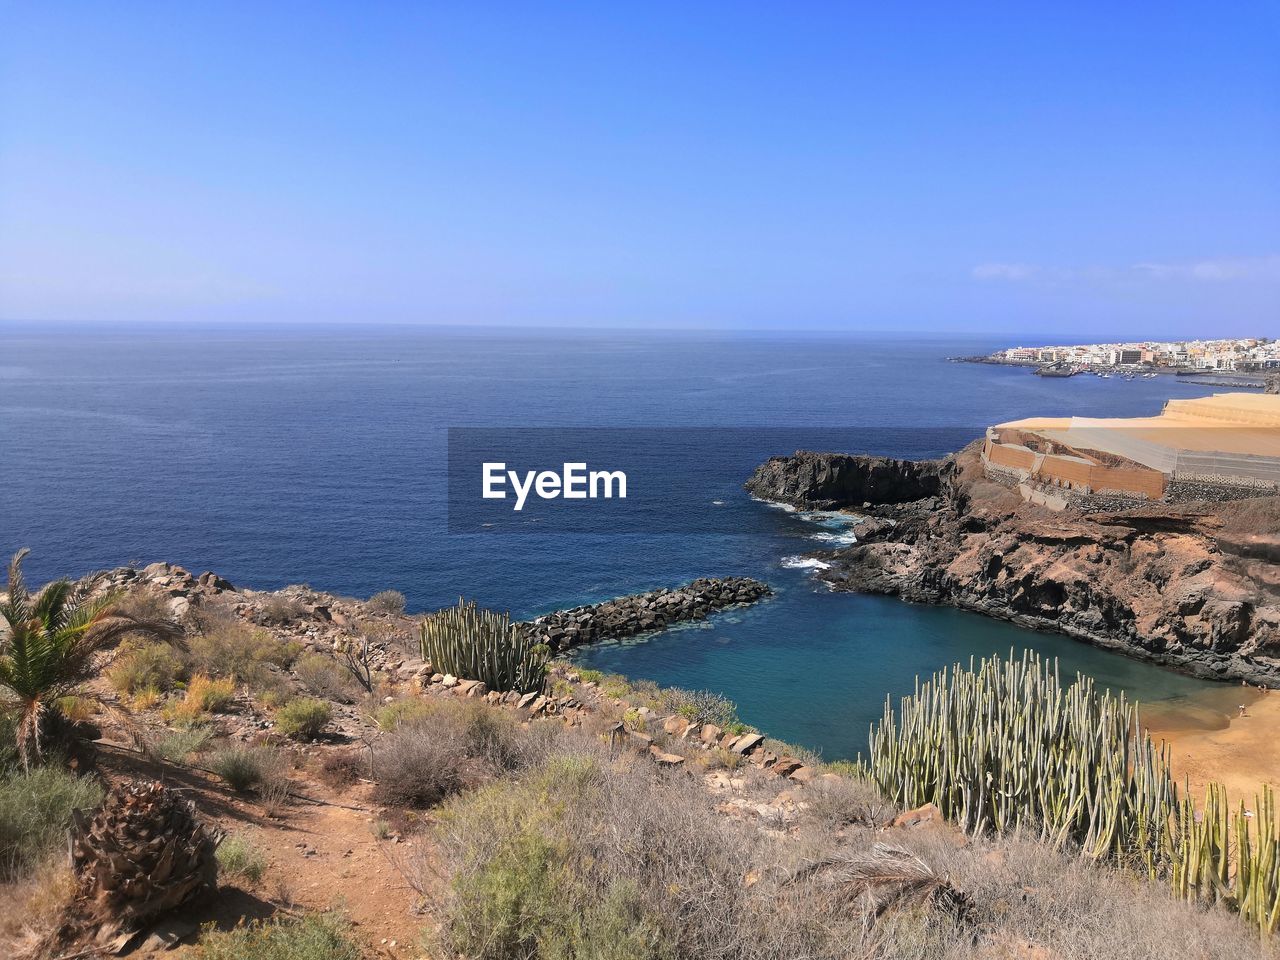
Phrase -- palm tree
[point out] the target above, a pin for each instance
(51, 645)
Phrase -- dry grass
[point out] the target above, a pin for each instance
(145, 666)
(578, 854)
(592, 857)
(431, 755)
(230, 648)
(388, 601)
(32, 908)
(325, 677)
(280, 609)
(1258, 515)
(844, 802)
(147, 602)
(204, 695)
(340, 769)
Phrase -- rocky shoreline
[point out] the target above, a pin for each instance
(1192, 586)
(643, 612)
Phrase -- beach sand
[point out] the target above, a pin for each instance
(1210, 741)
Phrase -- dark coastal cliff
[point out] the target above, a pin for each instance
(828, 481)
(1193, 586)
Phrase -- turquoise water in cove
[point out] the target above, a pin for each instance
(318, 454)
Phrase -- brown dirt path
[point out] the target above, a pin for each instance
(321, 854)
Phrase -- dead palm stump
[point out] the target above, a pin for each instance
(142, 854)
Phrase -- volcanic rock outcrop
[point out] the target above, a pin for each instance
(826, 481)
(1195, 586)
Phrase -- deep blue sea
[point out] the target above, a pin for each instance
(318, 455)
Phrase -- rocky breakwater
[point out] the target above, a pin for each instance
(643, 612)
(1194, 586)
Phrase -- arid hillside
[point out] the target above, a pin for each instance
(370, 806)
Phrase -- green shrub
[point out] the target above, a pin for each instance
(146, 666)
(303, 718)
(434, 754)
(243, 768)
(587, 858)
(846, 768)
(615, 687)
(324, 936)
(402, 711)
(176, 745)
(325, 677)
(388, 601)
(281, 608)
(233, 649)
(590, 676)
(238, 856)
(210, 696)
(699, 706)
(35, 810)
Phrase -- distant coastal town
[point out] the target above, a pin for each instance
(1243, 362)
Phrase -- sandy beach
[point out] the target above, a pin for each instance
(1211, 741)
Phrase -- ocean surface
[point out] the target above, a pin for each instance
(318, 455)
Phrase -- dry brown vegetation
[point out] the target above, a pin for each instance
(520, 838)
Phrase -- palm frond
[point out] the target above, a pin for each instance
(50, 647)
(50, 606)
(15, 606)
(889, 878)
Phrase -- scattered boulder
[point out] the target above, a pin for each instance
(929, 813)
(665, 759)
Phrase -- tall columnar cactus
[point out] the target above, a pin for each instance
(477, 644)
(1004, 745)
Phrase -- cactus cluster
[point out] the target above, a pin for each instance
(1232, 856)
(1005, 745)
(478, 644)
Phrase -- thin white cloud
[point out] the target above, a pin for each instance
(1220, 270)
(1005, 271)
(1214, 271)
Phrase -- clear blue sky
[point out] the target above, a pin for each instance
(1076, 167)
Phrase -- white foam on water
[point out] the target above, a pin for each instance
(843, 539)
(804, 563)
(784, 507)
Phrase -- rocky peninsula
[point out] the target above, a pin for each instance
(1194, 586)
